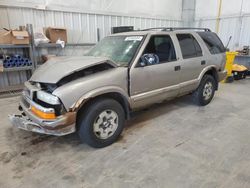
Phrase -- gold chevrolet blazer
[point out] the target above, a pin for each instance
(93, 95)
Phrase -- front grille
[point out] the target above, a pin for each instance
(24, 101)
(27, 92)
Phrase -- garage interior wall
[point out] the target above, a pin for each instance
(82, 18)
(234, 20)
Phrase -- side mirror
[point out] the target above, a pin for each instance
(149, 59)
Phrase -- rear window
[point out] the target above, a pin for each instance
(213, 42)
(190, 48)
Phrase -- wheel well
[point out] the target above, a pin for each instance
(116, 96)
(214, 74)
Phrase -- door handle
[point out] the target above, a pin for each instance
(203, 62)
(177, 68)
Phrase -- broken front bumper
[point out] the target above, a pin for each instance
(62, 125)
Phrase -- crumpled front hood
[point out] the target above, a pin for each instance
(57, 68)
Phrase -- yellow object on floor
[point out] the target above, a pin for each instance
(230, 56)
(239, 72)
(239, 68)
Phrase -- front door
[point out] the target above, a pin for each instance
(155, 82)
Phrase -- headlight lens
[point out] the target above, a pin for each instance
(48, 98)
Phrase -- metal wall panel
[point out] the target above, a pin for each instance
(81, 27)
(238, 27)
(244, 35)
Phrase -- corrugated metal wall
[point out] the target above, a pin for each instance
(236, 26)
(81, 27)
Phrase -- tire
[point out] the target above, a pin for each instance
(101, 123)
(202, 97)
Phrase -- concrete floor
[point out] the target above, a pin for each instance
(175, 144)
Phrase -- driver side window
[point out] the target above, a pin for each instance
(162, 46)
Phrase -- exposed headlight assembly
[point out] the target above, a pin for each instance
(48, 98)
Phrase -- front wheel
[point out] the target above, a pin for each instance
(205, 92)
(101, 123)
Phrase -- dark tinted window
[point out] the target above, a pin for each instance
(163, 47)
(189, 46)
(213, 42)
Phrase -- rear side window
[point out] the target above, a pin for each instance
(213, 42)
(189, 46)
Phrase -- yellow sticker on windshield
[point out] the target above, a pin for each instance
(133, 38)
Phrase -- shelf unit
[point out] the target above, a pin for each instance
(13, 90)
(53, 45)
(13, 46)
(33, 54)
(13, 69)
(19, 74)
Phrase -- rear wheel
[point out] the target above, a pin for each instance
(101, 123)
(205, 92)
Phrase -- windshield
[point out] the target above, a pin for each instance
(120, 49)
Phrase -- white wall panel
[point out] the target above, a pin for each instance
(209, 9)
(229, 27)
(234, 20)
(153, 8)
(244, 35)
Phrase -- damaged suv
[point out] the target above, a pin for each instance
(94, 94)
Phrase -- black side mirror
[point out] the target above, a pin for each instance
(149, 59)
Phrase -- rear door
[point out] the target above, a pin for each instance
(192, 61)
(215, 48)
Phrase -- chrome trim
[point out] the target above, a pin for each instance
(28, 125)
(32, 103)
(144, 95)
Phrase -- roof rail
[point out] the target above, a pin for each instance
(176, 28)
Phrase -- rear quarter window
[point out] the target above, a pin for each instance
(212, 42)
(190, 48)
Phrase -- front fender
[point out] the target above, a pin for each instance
(98, 92)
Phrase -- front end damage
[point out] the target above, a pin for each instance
(50, 99)
(41, 117)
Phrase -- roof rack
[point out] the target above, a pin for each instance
(176, 28)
